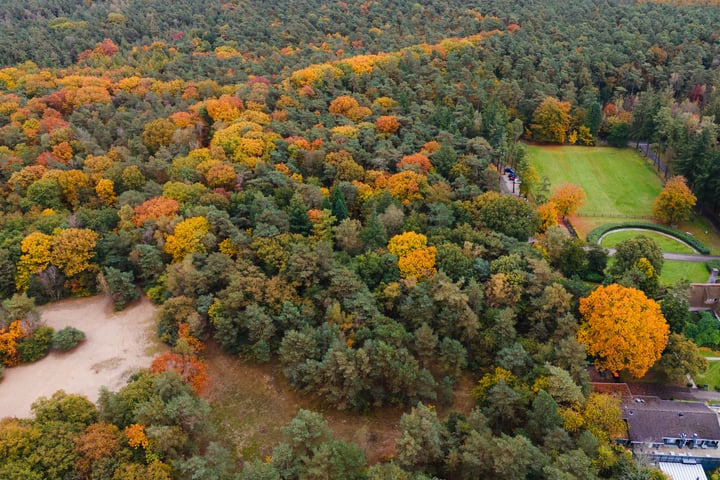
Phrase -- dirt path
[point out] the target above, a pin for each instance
(117, 344)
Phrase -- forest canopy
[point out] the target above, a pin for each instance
(316, 186)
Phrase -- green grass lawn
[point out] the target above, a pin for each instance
(674, 270)
(666, 244)
(711, 376)
(617, 182)
(707, 352)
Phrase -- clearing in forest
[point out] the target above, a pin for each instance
(619, 183)
(117, 344)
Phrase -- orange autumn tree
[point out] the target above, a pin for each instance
(416, 162)
(623, 329)
(9, 338)
(407, 186)
(675, 202)
(192, 369)
(154, 209)
(98, 443)
(567, 198)
(387, 124)
(136, 437)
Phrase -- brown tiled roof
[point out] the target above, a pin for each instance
(650, 419)
(617, 389)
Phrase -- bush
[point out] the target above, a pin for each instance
(37, 346)
(67, 338)
(2, 371)
(596, 233)
(710, 264)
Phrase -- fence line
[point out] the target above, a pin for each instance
(659, 164)
(613, 215)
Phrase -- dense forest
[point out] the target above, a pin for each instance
(315, 185)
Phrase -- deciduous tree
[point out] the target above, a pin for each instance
(415, 258)
(567, 198)
(187, 238)
(675, 202)
(623, 329)
(72, 249)
(551, 121)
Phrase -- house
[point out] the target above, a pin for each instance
(672, 432)
(705, 296)
(682, 471)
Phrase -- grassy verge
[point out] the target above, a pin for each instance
(706, 352)
(674, 270)
(710, 377)
(665, 243)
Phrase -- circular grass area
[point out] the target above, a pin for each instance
(665, 242)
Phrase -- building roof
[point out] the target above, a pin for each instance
(651, 419)
(683, 471)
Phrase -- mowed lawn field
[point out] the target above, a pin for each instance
(620, 185)
(618, 182)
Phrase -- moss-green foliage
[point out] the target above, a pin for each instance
(37, 345)
(67, 338)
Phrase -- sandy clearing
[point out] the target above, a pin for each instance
(117, 345)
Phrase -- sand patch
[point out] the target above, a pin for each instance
(117, 344)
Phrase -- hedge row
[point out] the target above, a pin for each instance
(596, 233)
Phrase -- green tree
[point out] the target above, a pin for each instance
(420, 446)
(338, 205)
(120, 286)
(681, 358)
(676, 307)
(298, 216)
(37, 345)
(594, 118)
(7, 274)
(334, 459)
(510, 215)
(629, 252)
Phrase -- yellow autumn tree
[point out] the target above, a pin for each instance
(35, 248)
(567, 198)
(622, 329)
(415, 258)
(548, 216)
(675, 202)
(105, 190)
(72, 249)
(551, 121)
(187, 238)
(407, 186)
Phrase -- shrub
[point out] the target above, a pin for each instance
(2, 371)
(710, 264)
(37, 346)
(595, 234)
(67, 338)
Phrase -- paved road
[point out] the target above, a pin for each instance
(685, 257)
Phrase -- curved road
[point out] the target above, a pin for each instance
(685, 257)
